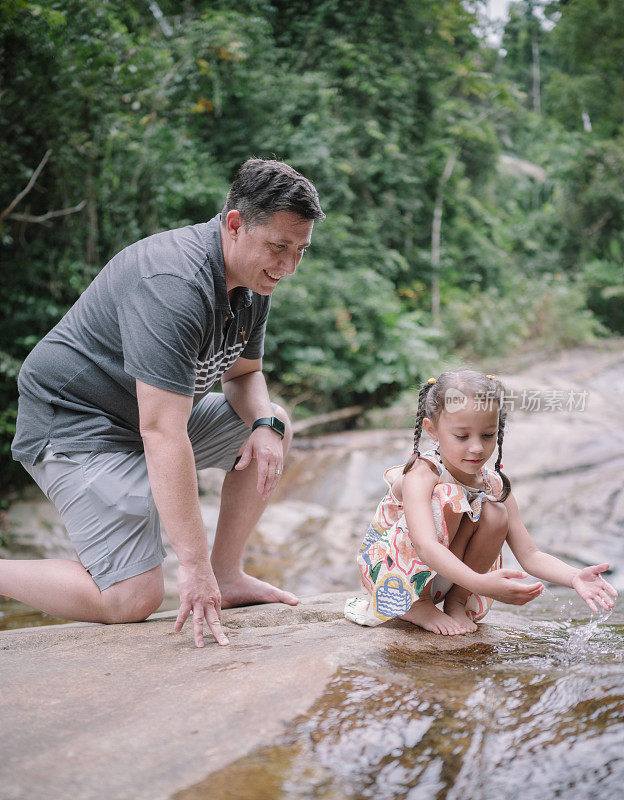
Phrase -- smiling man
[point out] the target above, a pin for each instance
(116, 414)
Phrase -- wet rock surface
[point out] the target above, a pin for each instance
(304, 704)
(137, 711)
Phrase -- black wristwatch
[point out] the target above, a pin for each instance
(272, 422)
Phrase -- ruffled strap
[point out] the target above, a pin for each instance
(392, 473)
(433, 457)
(455, 496)
(494, 483)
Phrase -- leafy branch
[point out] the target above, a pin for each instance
(41, 218)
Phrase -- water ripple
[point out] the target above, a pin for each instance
(540, 714)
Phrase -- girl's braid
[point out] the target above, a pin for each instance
(499, 441)
(420, 415)
(497, 466)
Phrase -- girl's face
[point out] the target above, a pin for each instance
(467, 438)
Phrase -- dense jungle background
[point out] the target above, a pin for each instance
(473, 186)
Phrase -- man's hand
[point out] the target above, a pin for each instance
(592, 587)
(200, 595)
(266, 447)
(499, 585)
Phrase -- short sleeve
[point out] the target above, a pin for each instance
(162, 322)
(255, 342)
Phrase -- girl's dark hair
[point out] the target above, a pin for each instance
(263, 187)
(434, 397)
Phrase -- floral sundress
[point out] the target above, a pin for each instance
(390, 570)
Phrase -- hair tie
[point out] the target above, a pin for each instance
(431, 381)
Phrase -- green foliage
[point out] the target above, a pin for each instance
(394, 110)
(603, 286)
(343, 334)
(548, 312)
(587, 74)
(594, 203)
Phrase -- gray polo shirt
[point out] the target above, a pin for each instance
(159, 311)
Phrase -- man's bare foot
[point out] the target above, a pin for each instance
(424, 614)
(457, 611)
(244, 590)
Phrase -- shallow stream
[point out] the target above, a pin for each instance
(538, 716)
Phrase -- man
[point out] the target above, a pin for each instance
(114, 414)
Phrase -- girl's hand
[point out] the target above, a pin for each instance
(499, 586)
(592, 587)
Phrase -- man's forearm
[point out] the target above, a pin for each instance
(173, 480)
(249, 397)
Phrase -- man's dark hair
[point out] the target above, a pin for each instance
(264, 187)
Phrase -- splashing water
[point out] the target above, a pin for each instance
(573, 643)
(578, 641)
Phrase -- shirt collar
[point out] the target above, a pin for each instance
(241, 296)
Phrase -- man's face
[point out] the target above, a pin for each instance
(260, 258)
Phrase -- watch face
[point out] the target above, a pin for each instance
(278, 425)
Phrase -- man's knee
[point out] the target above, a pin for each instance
(133, 599)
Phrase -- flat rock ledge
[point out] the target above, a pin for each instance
(136, 711)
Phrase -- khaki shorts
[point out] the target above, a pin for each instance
(105, 500)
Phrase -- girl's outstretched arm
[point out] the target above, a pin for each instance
(417, 487)
(588, 582)
(592, 587)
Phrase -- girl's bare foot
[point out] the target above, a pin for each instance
(457, 611)
(424, 614)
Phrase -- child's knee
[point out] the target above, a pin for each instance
(494, 516)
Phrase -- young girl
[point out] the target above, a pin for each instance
(438, 532)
